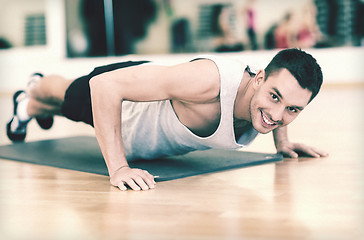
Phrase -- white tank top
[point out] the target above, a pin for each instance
(152, 129)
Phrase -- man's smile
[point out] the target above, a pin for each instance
(266, 120)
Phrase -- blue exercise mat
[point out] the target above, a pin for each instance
(83, 154)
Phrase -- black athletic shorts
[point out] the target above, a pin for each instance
(77, 100)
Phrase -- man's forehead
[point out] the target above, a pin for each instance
(283, 79)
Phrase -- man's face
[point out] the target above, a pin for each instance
(277, 101)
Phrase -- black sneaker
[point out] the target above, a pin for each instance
(16, 129)
(45, 122)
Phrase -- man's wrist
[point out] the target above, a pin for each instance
(111, 173)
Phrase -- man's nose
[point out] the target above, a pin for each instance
(277, 114)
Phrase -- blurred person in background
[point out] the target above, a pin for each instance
(249, 13)
(284, 32)
(308, 31)
(225, 36)
(297, 29)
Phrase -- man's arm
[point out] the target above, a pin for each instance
(194, 81)
(287, 148)
(106, 108)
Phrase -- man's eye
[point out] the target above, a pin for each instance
(274, 97)
(292, 109)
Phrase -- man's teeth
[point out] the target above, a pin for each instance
(266, 120)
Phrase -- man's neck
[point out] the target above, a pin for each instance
(243, 97)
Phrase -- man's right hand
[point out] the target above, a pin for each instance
(136, 179)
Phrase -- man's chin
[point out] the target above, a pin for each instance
(263, 130)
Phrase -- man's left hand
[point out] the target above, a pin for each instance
(293, 150)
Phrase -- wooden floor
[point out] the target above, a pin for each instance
(294, 199)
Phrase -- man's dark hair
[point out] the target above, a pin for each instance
(301, 65)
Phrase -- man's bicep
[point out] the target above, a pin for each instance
(196, 81)
(136, 83)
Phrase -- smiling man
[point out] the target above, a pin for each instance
(144, 111)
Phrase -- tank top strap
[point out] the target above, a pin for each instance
(231, 73)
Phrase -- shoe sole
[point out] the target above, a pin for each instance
(45, 123)
(13, 136)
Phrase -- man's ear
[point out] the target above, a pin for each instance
(259, 79)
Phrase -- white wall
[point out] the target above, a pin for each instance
(12, 18)
(339, 65)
